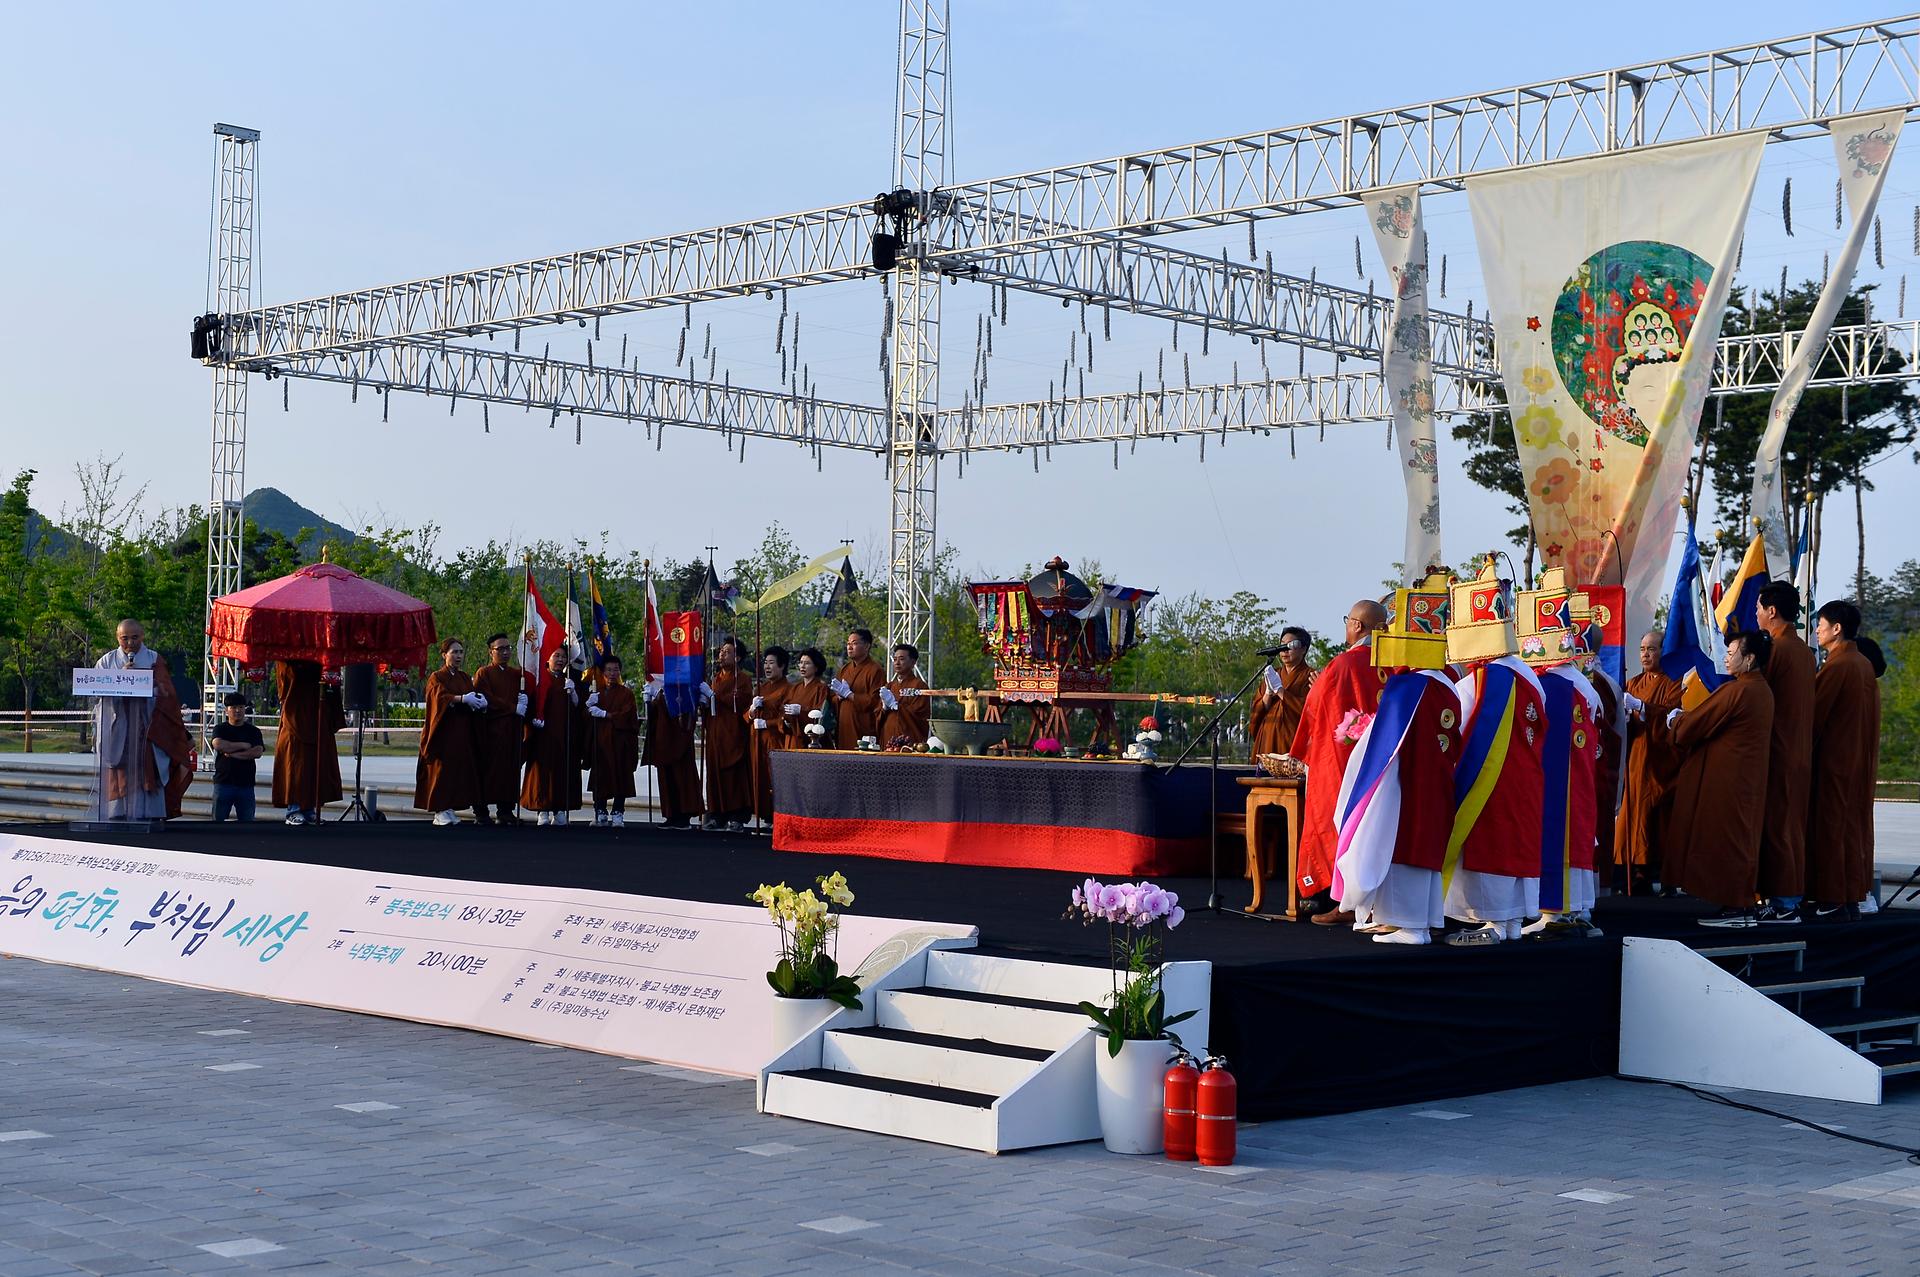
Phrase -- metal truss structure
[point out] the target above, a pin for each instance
(1076, 232)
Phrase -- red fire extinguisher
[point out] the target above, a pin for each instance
(1217, 1107)
(1181, 1082)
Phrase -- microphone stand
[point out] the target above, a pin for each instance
(1211, 732)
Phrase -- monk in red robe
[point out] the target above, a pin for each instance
(446, 777)
(810, 694)
(1783, 837)
(1282, 698)
(1349, 684)
(906, 710)
(306, 766)
(556, 746)
(1652, 764)
(729, 765)
(613, 718)
(670, 753)
(1846, 762)
(856, 692)
(499, 732)
(1713, 843)
(1499, 788)
(765, 716)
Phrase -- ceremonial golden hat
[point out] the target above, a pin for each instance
(1545, 625)
(1416, 633)
(1480, 618)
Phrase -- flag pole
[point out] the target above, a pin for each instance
(526, 592)
(706, 658)
(646, 640)
(569, 777)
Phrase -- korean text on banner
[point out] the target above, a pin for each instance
(92, 681)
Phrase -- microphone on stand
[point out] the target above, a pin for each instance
(1269, 652)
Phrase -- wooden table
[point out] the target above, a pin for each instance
(1287, 795)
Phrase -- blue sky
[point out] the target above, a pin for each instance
(406, 140)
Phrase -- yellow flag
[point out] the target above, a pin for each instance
(786, 585)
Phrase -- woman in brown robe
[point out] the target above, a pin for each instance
(1651, 767)
(810, 693)
(306, 766)
(765, 718)
(556, 747)
(670, 754)
(445, 779)
(729, 768)
(1846, 762)
(1713, 848)
(1282, 697)
(499, 732)
(614, 722)
(907, 711)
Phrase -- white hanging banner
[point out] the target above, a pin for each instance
(1606, 281)
(1863, 148)
(677, 981)
(1406, 367)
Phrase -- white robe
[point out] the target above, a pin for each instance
(121, 730)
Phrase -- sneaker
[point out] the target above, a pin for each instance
(296, 817)
(734, 826)
(559, 817)
(599, 819)
(1775, 916)
(1812, 912)
(1491, 933)
(1870, 905)
(1733, 918)
(445, 818)
(619, 820)
(544, 818)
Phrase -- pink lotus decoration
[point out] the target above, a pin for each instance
(1352, 727)
(1046, 745)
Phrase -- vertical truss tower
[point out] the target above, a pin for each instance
(920, 166)
(232, 294)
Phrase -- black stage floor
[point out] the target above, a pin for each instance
(1313, 1019)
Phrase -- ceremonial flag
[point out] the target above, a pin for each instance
(1803, 569)
(1739, 609)
(818, 566)
(540, 638)
(1607, 280)
(844, 588)
(575, 641)
(722, 595)
(676, 654)
(1689, 624)
(1717, 576)
(1406, 366)
(1607, 628)
(601, 644)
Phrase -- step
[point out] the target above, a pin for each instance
(1018, 977)
(1776, 949)
(1894, 1060)
(961, 1013)
(1811, 986)
(963, 1064)
(936, 1115)
(1841, 1020)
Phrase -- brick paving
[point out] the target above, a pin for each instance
(374, 1146)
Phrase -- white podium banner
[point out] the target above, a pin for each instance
(677, 981)
(89, 680)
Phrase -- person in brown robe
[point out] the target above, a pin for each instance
(906, 711)
(729, 767)
(150, 731)
(1783, 839)
(306, 765)
(856, 692)
(446, 779)
(765, 716)
(499, 732)
(556, 746)
(614, 719)
(810, 693)
(670, 740)
(1277, 706)
(1651, 766)
(1846, 763)
(1713, 847)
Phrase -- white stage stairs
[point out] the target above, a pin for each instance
(967, 1050)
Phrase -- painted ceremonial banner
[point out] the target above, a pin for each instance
(677, 981)
(1863, 148)
(1406, 366)
(1606, 282)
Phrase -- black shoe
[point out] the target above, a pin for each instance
(1823, 914)
(1321, 902)
(1733, 918)
(480, 816)
(1775, 916)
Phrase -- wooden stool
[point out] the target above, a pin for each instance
(1286, 795)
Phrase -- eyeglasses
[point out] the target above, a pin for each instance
(1292, 645)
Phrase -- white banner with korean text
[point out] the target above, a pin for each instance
(675, 981)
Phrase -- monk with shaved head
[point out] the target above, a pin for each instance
(1349, 685)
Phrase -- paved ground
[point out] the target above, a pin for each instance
(152, 1129)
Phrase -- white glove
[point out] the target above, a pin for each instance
(593, 698)
(1636, 707)
(650, 691)
(791, 709)
(573, 694)
(887, 698)
(481, 697)
(706, 694)
(841, 688)
(1673, 716)
(539, 722)
(1273, 681)
(594, 711)
(473, 700)
(758, 702)
(760, 724)
(520, 705)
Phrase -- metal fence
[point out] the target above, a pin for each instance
(70, 731)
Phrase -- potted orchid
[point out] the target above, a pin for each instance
(1128, 1073)
(807, 982)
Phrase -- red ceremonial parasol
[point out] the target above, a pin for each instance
(322, 613)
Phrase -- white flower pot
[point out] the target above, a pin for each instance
(794, 1018)
(1130, 1089)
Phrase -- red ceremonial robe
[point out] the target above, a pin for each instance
(1498, 782)
(1349, 682)
(1396, 802)
(1569, 754)
(1606, 773)
(556, 750)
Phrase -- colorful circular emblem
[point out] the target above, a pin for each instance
(1533, 713)
(1446, 718)
(1579, 713)
(1529, 736)
(678, 634)
(1446, 742)
(1579, 740)
(1619, 326)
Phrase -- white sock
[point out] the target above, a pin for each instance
(1405, 935)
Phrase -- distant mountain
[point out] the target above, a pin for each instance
(274, 511)
(38, 526)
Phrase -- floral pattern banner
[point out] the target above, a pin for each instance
(1863, 148)
(1606, 283)
(1406, 367)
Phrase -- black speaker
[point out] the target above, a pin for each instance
(886, 250)
(199, 344)
(356, 686)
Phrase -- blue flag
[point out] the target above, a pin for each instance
(1688, 623)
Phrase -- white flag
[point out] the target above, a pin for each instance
(1406, 368)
